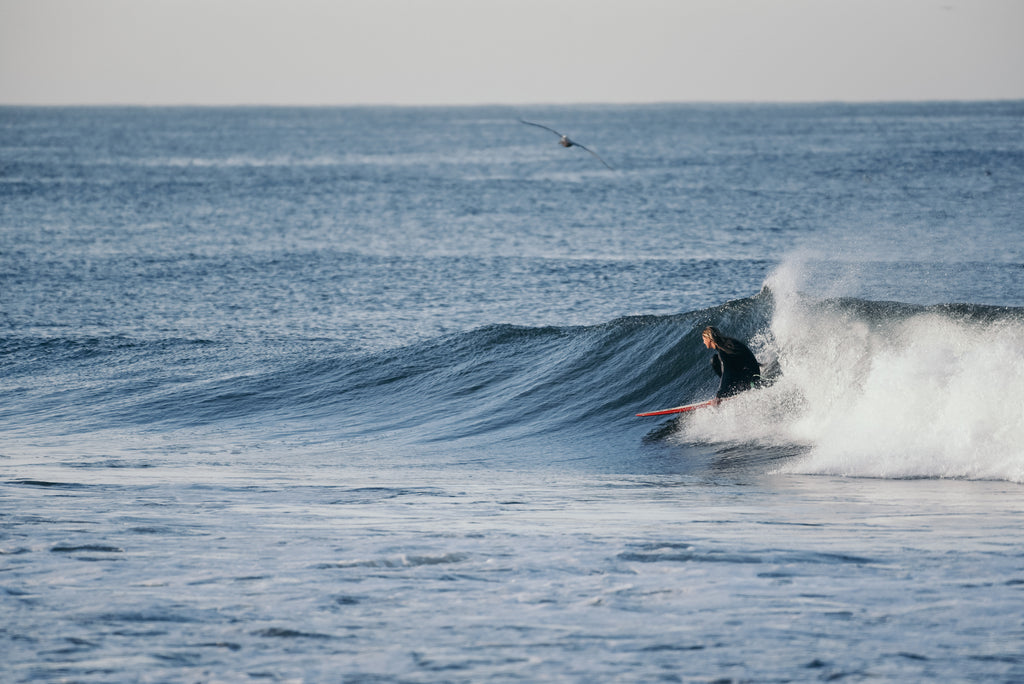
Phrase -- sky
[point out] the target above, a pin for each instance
(436, 52)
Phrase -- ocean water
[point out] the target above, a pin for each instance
(348, 394)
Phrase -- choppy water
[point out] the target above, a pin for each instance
(348, 394)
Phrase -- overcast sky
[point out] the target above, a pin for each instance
(514, 51)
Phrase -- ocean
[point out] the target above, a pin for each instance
(349, 394)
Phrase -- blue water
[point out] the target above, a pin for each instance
(348, 394)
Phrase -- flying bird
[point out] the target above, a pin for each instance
(565, 142)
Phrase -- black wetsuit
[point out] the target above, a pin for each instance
(737, 367)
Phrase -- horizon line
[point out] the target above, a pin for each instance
(453, 105)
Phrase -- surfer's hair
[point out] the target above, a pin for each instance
(713, 332)
(721, 341)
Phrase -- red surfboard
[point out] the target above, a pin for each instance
(679, 409)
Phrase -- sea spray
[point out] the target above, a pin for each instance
(883, 389)
(937, 397)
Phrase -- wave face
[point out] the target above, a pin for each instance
(867, 388)
(488, 388)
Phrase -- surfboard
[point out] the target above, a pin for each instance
(679, 409)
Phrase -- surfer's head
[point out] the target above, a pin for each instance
(712, 338)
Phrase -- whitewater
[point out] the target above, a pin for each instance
(349, 394)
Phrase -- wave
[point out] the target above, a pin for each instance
(867, 388)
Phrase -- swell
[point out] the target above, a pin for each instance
(61, 384)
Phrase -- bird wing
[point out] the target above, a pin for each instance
(530, 123)
(595, 154)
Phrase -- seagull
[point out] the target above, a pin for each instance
(565, 142)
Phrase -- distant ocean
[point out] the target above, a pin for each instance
(348, 394)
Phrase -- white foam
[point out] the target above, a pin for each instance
(897, 396)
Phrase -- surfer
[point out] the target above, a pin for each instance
(733, 362)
